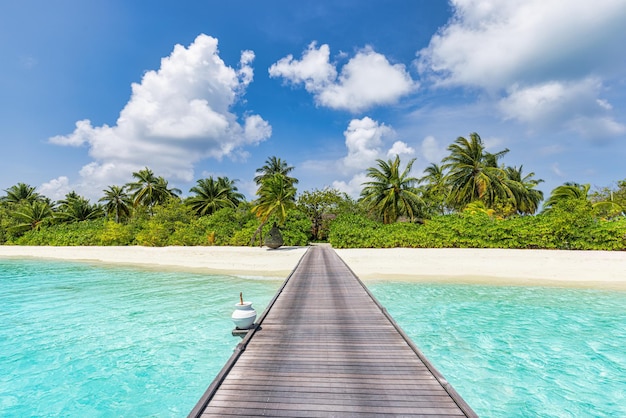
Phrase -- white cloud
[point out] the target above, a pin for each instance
(550, 100)
(432, 150)
(546, 62)
(494, 43)
(314, 69)
(400, 148)
(353, 186)
(368, 79)
(364, 139)
(177, 116)
(596, 128)
(573, 105)
(55, 189)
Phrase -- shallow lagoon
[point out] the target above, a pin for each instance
(80, 340)
(520, 351)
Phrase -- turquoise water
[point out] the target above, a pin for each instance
(79, 340)
(520, 351)
(76, 340)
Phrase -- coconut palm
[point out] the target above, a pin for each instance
(166, 192)
(212, 195)
(435, 188)
(274, 165)
(605, 208)
(390, 194)
(75, 208)
(567, 191)
(473, 173)
(150, 190)
(276, 196)
(67, 200)
(21, 192)
(526, 197)
(31, 215)
(610, 202)
(117, 202)
(145, 188)
(608, 209)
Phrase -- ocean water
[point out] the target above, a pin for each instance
(83, 340)
(519, 351)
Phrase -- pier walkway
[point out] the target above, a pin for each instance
(325, 347)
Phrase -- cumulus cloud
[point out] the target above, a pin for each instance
(368, 79)
(366, 141)
(56, 189)
(400, 148)
(546, 62)
(432, 150)
(494, 43)
(351, 187)
(546, 101)
(573, 104)
(176, 116)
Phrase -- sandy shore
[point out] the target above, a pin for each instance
(247, 261)
(588, 269)
(593, 269)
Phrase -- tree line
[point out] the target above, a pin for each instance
(469, 194)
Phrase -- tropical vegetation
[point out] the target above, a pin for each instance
(470, 199)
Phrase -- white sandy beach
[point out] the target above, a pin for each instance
(593, 269)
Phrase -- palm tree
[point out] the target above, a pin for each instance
(565, 192)
(473, 173)
(435, 188)
(166, 192)
(75, 208)
(21, 192)
(609, 209)
(213, 195)
(609, 202)
(69, 197)
(31, 215)
(526, 197)
(116, 201)
(575, 191)
(391, 194)
(150, 190)
(276, 196)
(274, 165)
(145, 188)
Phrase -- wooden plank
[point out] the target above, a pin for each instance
(323, 347)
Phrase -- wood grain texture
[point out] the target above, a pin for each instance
(326, 347)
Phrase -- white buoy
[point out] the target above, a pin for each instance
(244, 314)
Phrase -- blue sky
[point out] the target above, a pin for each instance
(92, 91)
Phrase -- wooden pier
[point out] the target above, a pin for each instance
(325, 347)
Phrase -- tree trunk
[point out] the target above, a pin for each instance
(258, 230)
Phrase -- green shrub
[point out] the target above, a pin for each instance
(116, 234)
(67, 234)
(568, 227)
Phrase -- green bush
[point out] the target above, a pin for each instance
(570, 227)
(297, 229)
(67, 234)
(224, 224)
(116, 234)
